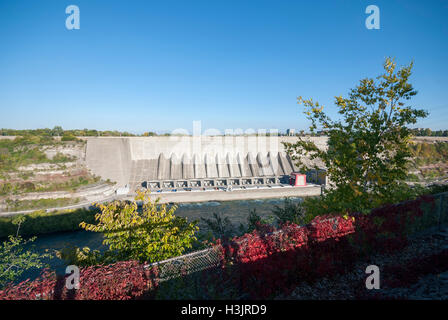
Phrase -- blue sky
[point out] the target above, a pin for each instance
(157, 66)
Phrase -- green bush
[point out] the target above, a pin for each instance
(151, 234)
(68, 137)
(291, 212)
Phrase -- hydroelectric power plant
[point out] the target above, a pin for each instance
(190, 164)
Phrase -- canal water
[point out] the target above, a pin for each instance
(236, 211)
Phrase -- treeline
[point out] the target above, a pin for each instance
(420, 132)
(59, 132)
(70, 134)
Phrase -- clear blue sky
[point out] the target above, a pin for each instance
(157, 66)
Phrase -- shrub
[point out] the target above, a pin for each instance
(120, 281)
(290, 212)
(220, 227)
(68, 137)
(151, 235)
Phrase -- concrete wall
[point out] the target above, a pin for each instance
(109, 158)
(132, 159)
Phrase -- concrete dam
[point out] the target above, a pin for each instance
(201, 162)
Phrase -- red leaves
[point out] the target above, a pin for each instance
(275, 261)
(120, 281)
(326, 227)
(385, 228)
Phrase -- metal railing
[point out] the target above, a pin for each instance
(188, 263)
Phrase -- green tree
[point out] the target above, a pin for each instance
(14, 257)
(368, 147)
(151, 234)
(57, 131)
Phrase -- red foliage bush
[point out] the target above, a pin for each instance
(118, 281)
(385, 229)
(277, 261)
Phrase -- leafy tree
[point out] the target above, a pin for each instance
(368, 148)
(151, 235)
(15, 259)
(57, 131)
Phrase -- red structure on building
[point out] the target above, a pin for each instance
(297, 179)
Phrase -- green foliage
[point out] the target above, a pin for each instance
(62, 158)
(434, 189)
(58, 131)
(429, 133)
(68, 137)
(72, 184)
(15, 260)
(412, 177)
(80, 257)
(368, 148)
(151, 235)
(429, 153)
(253, 220)
(291, 212)
(17, 221)
(41, 222)
(338, 202)
(20, 152)
(26, 150)
(221, 228)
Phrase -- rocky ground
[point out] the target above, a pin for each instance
(352, 285)
(63, 176)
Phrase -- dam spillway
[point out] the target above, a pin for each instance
(186, 161)
(212, 170)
